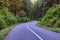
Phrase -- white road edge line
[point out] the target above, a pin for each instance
(34, 32)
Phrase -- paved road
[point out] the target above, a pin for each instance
(30, 31)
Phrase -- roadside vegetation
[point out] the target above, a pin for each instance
(5, 31)
(8, 19)
(51, 20)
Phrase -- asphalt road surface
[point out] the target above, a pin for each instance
(30, 31)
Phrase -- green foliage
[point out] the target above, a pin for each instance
(52, 17)
(24, 19)
(29, 7)
(3, 3)
(5, 31)
(6, 18)
(57, 24)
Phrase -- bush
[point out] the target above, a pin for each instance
(52, 17)
(6, 18)
(5, 31)
(57, 24)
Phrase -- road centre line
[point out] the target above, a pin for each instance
(33, 32)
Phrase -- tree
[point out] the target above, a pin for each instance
(16, 5)
(40, 8)
(28, 7)
(3, 3)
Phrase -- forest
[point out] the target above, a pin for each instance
(13, 12)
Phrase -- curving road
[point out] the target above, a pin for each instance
(30, 31)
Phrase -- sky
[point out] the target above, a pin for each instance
(33, 1)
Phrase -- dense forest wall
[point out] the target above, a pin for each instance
(55, 1)
(48, 3)
(35, 11)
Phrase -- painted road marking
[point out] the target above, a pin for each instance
(34, 32)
